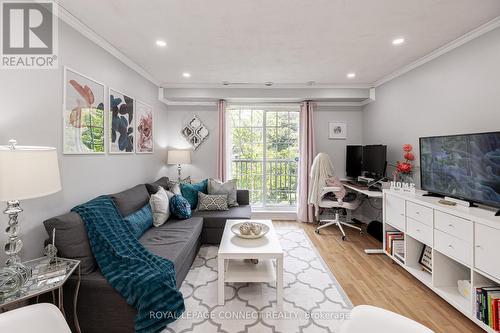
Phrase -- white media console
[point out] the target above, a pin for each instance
(465, 245)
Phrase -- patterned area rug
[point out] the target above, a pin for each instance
(313, 299)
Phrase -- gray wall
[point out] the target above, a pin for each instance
(31, 112)
(204, 163)
(336, 148)
(455, 93)
(204, 158)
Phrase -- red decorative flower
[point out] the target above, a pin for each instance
(409, 156)
(404, 167)
(407, 147)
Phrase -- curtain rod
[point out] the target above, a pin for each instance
(269, 104)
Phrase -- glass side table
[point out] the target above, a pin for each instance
(42, 282)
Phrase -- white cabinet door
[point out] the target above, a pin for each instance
(395, 211)
(487, 249)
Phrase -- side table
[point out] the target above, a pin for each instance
(39, 284)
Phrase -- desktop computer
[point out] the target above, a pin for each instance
(366, 165)
(374, 161)
(354, 161)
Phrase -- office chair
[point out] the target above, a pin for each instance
(321, 170)
(336, 205)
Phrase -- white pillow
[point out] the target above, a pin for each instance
(159, 203)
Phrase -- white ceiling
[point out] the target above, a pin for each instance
(283, 41)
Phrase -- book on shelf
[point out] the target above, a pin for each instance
(398, 246)
(389, 237)
(494, 310)
(488, 306)
(399, 256)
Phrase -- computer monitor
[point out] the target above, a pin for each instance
(353, 161)
(374, 160)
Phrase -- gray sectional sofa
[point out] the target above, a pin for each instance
(101, 308)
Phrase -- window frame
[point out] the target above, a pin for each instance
(266, 110)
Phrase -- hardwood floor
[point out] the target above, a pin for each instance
(375, 280)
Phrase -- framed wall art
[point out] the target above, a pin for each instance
(426, 258)
(83, 114)
(144, 128)
(195, 132)
(337, 130)
(121, 123)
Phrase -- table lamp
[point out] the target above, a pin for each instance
(179, 157)
(25, 173)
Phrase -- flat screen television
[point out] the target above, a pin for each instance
(466, 167)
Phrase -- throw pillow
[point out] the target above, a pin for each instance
(190, 192)
(180, 207)
(140, 221)
(212, 201)
(174, 187)
(229, 188)
(153, 187)
(160, 207)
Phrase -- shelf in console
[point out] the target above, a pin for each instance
(446, 273)
(451, 294)
(396, 259)
(481, 280)
(420, 274)
(487, 276)
(414, 250)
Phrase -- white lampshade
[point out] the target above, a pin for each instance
(179, 157)
(28, 172)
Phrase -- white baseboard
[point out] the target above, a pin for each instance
(278, 216)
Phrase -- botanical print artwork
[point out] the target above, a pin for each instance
(121, 123)
(83, 129)
(144, 127)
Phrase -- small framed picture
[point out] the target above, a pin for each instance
(426, 258)
(337, 130)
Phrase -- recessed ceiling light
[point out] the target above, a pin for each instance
(161, 43)
(186, 74)
(398, 41)
(351, 75)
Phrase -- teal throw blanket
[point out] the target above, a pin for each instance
(145, 280)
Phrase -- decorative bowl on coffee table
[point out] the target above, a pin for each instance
(264, 229)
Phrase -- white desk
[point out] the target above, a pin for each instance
(364, 191)
(369, 194)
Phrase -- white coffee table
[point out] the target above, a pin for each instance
(233, 250)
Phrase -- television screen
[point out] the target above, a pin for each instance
(466, 167)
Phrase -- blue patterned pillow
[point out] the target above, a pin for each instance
(190, 192)
(180, 207)
(140, 221)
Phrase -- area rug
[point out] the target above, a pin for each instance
(313, 299)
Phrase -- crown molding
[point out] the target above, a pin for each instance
(201, 85)
(86, 31)
(473, 34)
